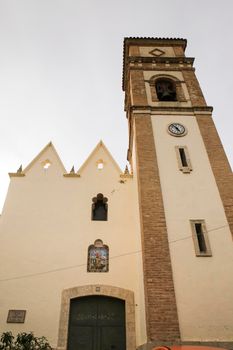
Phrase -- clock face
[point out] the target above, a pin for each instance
(177, 129)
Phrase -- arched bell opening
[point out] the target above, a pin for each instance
(165, 89)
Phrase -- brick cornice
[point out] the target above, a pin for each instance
(16, 174)
(155, 41)
(193, 110)
(161, 59)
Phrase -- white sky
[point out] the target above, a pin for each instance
(61, 71)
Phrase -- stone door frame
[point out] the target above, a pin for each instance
(97, 289)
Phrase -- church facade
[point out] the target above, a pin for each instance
(105, 259)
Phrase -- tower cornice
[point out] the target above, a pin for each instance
(155, 41)
(148, 41)
(176, 110)
(163, 59)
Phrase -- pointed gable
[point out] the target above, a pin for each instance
(100, 158)
(47, 160)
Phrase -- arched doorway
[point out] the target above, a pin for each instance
(96, 323)
(122, 294)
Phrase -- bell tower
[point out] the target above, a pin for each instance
(184, 191)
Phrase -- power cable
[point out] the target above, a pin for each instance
(186, 237)
(80, 265)
(61, 269)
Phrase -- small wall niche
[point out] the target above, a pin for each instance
(46, 164)
(100, 164)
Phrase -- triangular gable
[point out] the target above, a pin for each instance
(49, 145)
(94, 152)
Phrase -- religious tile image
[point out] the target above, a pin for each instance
(98, 257)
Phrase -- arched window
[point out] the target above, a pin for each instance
(165, 89)
(98, 257)
(100, 208)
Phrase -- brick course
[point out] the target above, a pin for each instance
(219, 163)
(162, 319)
(217, 157)
(138, 88)
(194, 89)
(179, 51)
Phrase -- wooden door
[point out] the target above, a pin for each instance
(97, 323)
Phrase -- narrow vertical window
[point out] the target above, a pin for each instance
(99, 208)
(200, 238)
(183, 159)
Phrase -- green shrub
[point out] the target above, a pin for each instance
(6, 340)
(23, 341)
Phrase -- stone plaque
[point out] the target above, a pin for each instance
(16, 316)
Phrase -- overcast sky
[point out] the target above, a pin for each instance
(61, 71)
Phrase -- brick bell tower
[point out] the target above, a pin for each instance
(179, 162)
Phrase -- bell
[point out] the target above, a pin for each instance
(165, 90)
(166, 96)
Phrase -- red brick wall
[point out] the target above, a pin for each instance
(219, 163)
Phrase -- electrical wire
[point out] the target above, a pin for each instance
(186, 237)
(61, 269)
(80, 265)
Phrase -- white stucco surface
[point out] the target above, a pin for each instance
(203, 285)
(46, 229)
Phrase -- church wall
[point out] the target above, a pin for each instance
(203, 285)
(46, 225)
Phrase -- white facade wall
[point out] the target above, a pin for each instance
(203, 285)
(46, 229)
